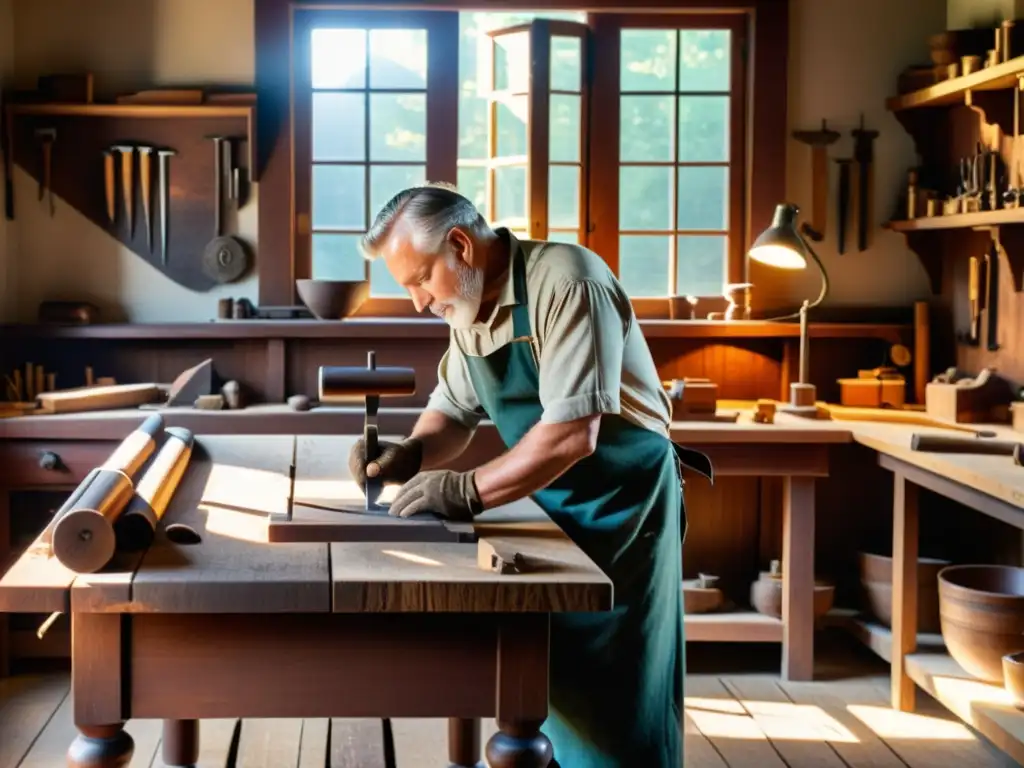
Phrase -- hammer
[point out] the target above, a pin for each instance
(339, 384)
(819, 142)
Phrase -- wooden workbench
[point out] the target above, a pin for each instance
(237, 627)
(992, 485)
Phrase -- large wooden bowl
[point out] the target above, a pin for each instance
(877, 569)
(333, 299)
(766, 596)
(982, 612)
(876, 589)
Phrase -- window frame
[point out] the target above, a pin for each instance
(766, 124)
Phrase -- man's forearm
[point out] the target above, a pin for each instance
(442, 438)
(546, 452)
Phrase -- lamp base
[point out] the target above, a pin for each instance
(802, 399)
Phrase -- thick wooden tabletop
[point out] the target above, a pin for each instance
(233, 484)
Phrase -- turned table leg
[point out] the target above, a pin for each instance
(101, 746)
(180, 744)
(519, 744)
(463, 742)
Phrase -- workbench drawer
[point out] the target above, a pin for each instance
(34, 464)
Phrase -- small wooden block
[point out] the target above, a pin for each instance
(499, 556)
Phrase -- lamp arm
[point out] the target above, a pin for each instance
(821, 295)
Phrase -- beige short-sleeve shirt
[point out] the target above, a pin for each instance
(590, 352)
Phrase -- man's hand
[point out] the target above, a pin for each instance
(444, 492)
(397, 462)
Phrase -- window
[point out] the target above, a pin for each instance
(622, 133)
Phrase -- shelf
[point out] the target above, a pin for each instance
(879, 638)
(414, 328)
(733, 627)
(953, 91)
(1003, 216)
(134, 110)
(985, 707)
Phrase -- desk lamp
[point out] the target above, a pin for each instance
(782, 246)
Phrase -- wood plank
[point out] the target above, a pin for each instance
(850, 737)
(269, 742)
(315, 742)
(36, 582)
(733, 627)
(232, 484)
(879, 638)
(27, 704)
(420, 741)
(146, 734)
(445, 577)
(721, 719)
(51, 747)
(217, 737)
(987, 707)
(357, 743)
(698, 750)
(800, 734)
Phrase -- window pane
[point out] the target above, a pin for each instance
(472, 126)
(511, 119)
(564, 196)
(339, 130)
(704, 198)
(648, 60)
(510, 193)
(566, 63)
(338, 58)
(382, 284)
(701, 265)
(472, 183)
(565, 128)
(643, 264)
(337, 257)
(704, 60)
(339, 197)
(398, 126)
(564, 237)
(646, 127)
(398, 58)
(645, 193)
(386, 181)
(512, 62)
(704, 129)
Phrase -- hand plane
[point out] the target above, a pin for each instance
(341, 384)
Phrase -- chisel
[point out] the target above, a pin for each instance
(127, 160)
(992, 301)
(863, 153)
(108, 185)
(164, 156)
(144, 182)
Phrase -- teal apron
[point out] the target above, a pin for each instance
(616, 690)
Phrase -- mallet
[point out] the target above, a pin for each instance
(340, 384)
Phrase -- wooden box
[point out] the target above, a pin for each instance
(873, 393)
(968, 402)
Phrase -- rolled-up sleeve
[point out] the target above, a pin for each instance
(454, 394)
(584, 326)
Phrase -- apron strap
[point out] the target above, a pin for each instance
(521, 311)
(695, 460)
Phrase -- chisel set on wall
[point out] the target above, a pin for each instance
(124, 154)
(855, 198)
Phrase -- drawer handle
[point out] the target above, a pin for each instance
(50, 460)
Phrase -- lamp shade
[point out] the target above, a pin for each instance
(781, 245)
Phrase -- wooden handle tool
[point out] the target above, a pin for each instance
(819, 142)
(127, 161)
(108, 185)
(146, 184)
(973, 296)
(947, 444)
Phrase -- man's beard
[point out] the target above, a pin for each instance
(462, 311)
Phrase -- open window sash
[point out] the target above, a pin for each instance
(537, 89)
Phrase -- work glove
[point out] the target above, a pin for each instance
(444, 492)
(397, 462)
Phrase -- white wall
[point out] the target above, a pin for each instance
(845, 58)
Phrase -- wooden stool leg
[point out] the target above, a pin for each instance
(180, 743)
(101, 746)
(463, 742)
(519, 744)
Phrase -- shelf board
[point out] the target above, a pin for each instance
(733, 627)
(960, 220)
(879, 638)
(986, 707)
(134, 110)
(952, 91)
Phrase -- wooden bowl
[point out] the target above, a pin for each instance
(1013, 677)
(982, 614)
(766, 596)
(333, 299)
(700, 599)
(876, 599)
(877, 569)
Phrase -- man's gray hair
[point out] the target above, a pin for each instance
(433, 209)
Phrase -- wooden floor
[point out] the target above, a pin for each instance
(738, 714)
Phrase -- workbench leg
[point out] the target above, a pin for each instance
(904, 589)
(463, 742)
(798, 579)
(101, 746)
(180, 743)
(522, 671)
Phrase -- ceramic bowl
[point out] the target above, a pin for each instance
(333, 299)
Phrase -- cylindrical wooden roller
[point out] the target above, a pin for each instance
(135, 449)
(946, 444)
(83, 538)
(135, 528)
(342, 382)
